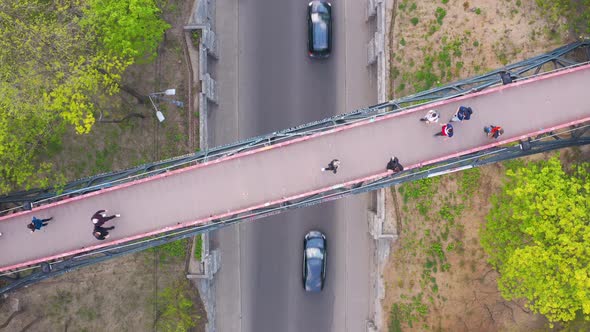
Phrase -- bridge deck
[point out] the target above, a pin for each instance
(197, 194)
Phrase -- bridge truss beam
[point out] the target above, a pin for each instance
(567, 56)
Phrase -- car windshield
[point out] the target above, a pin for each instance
(319, 20)
(315, 243)
(312, 253)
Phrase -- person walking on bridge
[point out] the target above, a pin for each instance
(446, 130)
(332, 166)
(100, 217)
(102, 233)
(493, 131)
(463, 113)
(394, 165)
(37, 224)
(431, 117)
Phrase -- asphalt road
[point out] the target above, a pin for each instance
(258, 287)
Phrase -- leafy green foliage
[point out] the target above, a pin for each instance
(537, 237)
(577, 12)
(176, 311)
(440, 14)
(129, 29)
(59, 62)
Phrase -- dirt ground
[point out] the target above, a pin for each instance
(119, 295)
(114, 296)
(435, 42)
(437, 278)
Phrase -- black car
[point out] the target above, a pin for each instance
(319, 23)
(314, 261)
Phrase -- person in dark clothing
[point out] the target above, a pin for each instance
(100, 217)
(463, 113)
(446, 130)
(332, 166)
(102, 233)
(37, 223)
(394, 165)
(493, 131)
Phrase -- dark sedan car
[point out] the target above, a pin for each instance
(319, 23)
(314, 261)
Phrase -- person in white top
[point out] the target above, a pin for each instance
(431, 117)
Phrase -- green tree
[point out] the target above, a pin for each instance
(60, 61)
(537, 236)
(176, 311)
(131, 28)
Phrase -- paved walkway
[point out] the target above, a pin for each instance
(250, 180)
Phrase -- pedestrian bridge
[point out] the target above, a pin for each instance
(286, 171)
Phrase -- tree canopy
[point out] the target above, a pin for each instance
(58, 61)
(537, 236)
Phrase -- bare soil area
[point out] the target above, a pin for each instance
(436, 42)
(115, 296)
(119, 295)
(437, 277)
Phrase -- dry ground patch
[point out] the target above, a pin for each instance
(114, 296)
(436, 42)
(437, 278)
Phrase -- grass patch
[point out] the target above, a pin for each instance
(196, 37)
(469, 182)
(407, 312)
(198, 247)
(87, 314)
(172, 250)
(423, 188)
(577, 14)
(395, 324)
(440, 14)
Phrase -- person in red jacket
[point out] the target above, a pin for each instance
(493, 131)
(446, 130)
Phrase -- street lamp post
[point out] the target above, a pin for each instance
(154, 95)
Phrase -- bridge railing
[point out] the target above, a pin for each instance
(568, 56)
